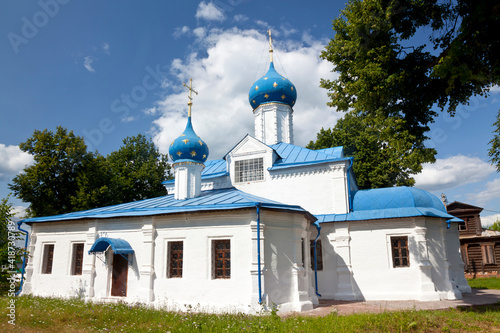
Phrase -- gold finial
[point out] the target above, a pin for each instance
(270, 45)
(191, 90)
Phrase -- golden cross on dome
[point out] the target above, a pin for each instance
(191, 90)
(270, 45)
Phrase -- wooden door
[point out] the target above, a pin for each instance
(119, 276)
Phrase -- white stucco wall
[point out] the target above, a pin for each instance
(357, 261)
(284, 281)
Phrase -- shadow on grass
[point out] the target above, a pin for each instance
(480, 308)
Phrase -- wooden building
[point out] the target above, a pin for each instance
(480, 247)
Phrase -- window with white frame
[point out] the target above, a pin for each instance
(400, 253)
(175, 258)
(48, 257)
(221, 258)
(249, 170)
(77, 259)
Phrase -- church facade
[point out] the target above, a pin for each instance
(269, 224)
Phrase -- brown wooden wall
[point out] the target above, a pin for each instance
(475, 258)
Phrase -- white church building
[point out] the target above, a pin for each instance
(270, 223)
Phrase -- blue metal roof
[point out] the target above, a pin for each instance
(118, 245)
(291, 156)
(338, 152)
(391, 202)
(223, 199)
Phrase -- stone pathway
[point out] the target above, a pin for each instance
(476, 297)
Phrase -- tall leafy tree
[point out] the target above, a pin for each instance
(385, 152)
(385, 71)
(494, 151)
(51, 184)
(66, 177)
(138, 170)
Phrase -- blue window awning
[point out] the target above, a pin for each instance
(118, 245)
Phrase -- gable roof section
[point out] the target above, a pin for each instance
(224, 199)
(292, 156)
(462, 207)
(391, 202)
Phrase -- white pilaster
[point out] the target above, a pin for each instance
(342, 247)
(89, 272)
(147, 270)
(427, 288)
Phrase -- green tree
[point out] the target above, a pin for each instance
(67, 178)
(494, 151)
(495, 225)
(385, 153)
(138, 170)
(10, 254)
(51, 184)
(94, 185)
(387, 70)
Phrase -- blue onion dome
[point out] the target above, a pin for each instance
(272, 88)
(188, 147)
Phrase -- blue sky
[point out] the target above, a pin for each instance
(112, 69)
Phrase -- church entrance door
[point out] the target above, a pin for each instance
(119, 276)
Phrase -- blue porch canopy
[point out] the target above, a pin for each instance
(118, 245)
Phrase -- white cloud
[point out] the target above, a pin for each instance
(20, 212)
(495, 89)
(128, 119)
(240, 18)
(492, 192)
(12, 161)
(180, 31)
(452, 172)
(105, 48)
(200, 32)
(87, 63)
(209, 12)
(222, 114)
(486, 221)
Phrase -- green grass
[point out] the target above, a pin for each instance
(34, 314)
(485, 283)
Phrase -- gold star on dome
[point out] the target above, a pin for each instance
(283, 78)
(266, 96)
(265, 78)
(204, 156)
(256, 87)
(183, 134)
(193, 153)
(253, 101)
(172, 143)
(283, 96)
(275, 84)
(291, 88)
(179, 153)
(200, 142)
(185, 141)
